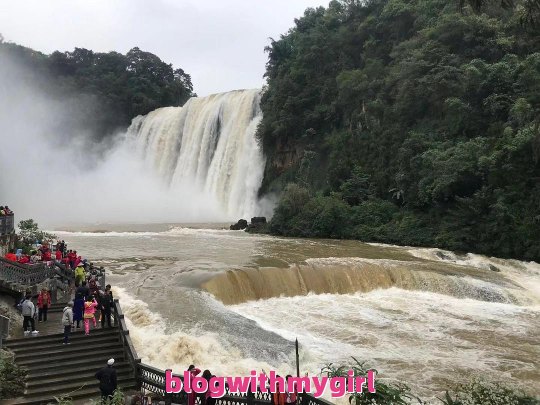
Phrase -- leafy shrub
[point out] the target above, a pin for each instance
(12, 377)
(386, 393)
(478, 392)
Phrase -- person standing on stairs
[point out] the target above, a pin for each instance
(67, 321)
(107, 380)
(29, 312)
(106, 303)
(78, 309)
(89, 313)
(44, 302)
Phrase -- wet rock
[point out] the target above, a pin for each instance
(443, 256)
(241, 224)
(494, 268)
(258, 220)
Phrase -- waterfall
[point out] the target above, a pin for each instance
(351, 275)
(207, 145)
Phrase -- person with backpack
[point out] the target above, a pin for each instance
(106, 304)
(28, 312)
(67, 321)
(44, 302)
(93, 285)
(107, 380)
(83, 290)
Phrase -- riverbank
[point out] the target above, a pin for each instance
(300, 214)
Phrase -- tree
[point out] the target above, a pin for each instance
(29, 233)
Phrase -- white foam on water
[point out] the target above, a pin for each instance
(416, 337)
(524, 274)
(165, 346)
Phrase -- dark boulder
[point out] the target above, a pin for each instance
(241, 224)
(493, 268)
(258, 220)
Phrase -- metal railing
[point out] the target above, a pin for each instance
(7, 224)
(17, 278)
(153, 380)
(25, 274)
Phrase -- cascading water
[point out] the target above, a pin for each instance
(208, 145)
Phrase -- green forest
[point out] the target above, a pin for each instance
(412, 122)
(104, 91)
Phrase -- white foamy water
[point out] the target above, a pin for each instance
(426, 339)
(208, 145)
(439, 320)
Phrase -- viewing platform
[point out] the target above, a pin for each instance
(67, 371)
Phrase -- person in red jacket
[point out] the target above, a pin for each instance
(46, 255)
(44, 302)
(25, 259)
(58, 255)
(72, 256)
(11, 256)
(193, 372)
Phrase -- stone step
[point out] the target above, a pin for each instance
(81, 377)
(77, 334)
(67, 357)
(80, 342)
(42, 375)
(44, 345)
(64, 351)
(86, 393)
(69, 387)
(93, 361)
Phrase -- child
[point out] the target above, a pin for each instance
(89, 311)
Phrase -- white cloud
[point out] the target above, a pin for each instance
(220, 43)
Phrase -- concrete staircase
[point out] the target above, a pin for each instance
(56, 370)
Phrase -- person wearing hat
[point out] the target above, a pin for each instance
(79, 275)
(67, 321)
(107, 380)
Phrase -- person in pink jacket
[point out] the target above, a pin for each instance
(89, 313)
(193, 371)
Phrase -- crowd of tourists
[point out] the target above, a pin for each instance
(4, 210)
(278, 398)
(91, 302)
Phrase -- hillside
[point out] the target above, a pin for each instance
(407, 122)
(104, 91)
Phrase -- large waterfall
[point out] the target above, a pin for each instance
(209, 146)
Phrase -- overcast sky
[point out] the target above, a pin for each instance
(220, 43)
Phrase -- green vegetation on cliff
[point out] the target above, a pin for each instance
(102, 92)
(408, 122)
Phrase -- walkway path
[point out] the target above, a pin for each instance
(56, 370)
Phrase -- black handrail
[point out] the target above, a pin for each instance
(129, 349)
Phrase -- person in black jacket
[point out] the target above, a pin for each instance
(107, 380)
(105, 305)
(83, 290)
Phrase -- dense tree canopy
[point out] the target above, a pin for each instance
(105, 90)
(407, 121)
